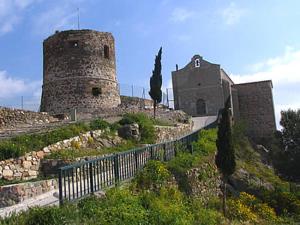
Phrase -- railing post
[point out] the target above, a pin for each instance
(91, 177)
(60, 191)
(136, 160)
(116, 169)
(151, 152)
(165, 154)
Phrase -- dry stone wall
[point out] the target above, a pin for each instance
(10, 118)
(17, 193)
(169, 133)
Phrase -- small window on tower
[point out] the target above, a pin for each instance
(197, 62)
(106, 52)
(96, 91)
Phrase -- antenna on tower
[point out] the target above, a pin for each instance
(78, 21)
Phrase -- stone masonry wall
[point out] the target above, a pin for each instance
(28, 166)
(79, 72)
(168, 133)
(16, 193)
(256, 108)
(10, 118)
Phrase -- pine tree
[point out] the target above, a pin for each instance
(225, 158)
(156, 82)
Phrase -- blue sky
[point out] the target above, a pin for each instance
(252, 40)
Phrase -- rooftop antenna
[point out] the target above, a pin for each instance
(78, 21)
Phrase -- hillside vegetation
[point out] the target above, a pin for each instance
(162, 193)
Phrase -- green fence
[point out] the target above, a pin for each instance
(81, 179)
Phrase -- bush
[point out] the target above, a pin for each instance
(153, 176)
(248, 208)
(99, 124)
(284, 203)
(167, 207)
(118, 207)
(206, 143)
(146, 126)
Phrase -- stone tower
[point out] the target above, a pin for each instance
(79, 72)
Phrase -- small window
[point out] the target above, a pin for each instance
(74, 44)
(106, 52)
(96, 91)
(197, 63)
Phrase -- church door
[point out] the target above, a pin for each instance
(201, 107)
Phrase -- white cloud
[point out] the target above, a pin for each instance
(11, 13)
(181, 15)
(232, 14)
(63, 16)
(11, 90)
(283, 70)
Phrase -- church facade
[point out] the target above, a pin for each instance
(201, 88)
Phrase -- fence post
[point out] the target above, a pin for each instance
(136, 160)
(116, 169)
(165, 154)
(60, 194)
(91, 177)
(151, 152)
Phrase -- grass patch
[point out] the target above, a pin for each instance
(72, 154)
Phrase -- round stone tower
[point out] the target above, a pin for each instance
(79, 72)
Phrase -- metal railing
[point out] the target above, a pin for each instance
(81, 179)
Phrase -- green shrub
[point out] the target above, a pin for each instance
(248, 208)
(99, 124)
(153, 176)
(167, 207)
(206, 143)
(118, 207)
(146, 126)
(205, 215)
(284, 203)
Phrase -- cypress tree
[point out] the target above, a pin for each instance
(225, 157)
(156, 82)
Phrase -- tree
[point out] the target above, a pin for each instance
(156, 82)
(225, 157)
(288, 157)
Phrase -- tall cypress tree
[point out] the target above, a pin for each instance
(156, 82)
(225, 158)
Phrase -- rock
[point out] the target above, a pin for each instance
(7, 173)
(32, 173)
(130, 131)
(40, 154)
(27, 164)
(46, 150)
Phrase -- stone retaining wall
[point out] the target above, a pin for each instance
(16, 193)
(169, 133)
(28, 166)
(15, 117)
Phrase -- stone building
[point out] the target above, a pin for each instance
(79, 72)
(201, 88)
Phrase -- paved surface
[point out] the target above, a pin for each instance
(200, 122)
(49, 198)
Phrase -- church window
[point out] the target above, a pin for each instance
(197, 62)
